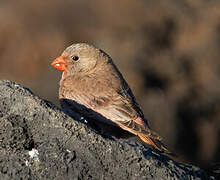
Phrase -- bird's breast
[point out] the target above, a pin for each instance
(81, 90)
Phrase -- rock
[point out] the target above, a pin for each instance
(39, 141)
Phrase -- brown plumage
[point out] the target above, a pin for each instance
(92, 85)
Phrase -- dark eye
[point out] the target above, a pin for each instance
(75, 58)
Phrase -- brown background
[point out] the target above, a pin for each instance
(169, 52)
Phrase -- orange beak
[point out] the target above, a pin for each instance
(59, 63)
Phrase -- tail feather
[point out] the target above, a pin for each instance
(146, 135)
(157, 144)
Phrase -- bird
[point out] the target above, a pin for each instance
(92, 85)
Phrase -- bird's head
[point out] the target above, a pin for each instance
(78, 58)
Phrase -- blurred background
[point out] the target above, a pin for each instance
(168, 51)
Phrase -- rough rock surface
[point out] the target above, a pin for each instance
(39, 141)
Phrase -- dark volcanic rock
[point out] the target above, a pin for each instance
(38, 141)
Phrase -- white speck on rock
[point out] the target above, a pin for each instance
(33, 153)
(27, 163)
(68, 150)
